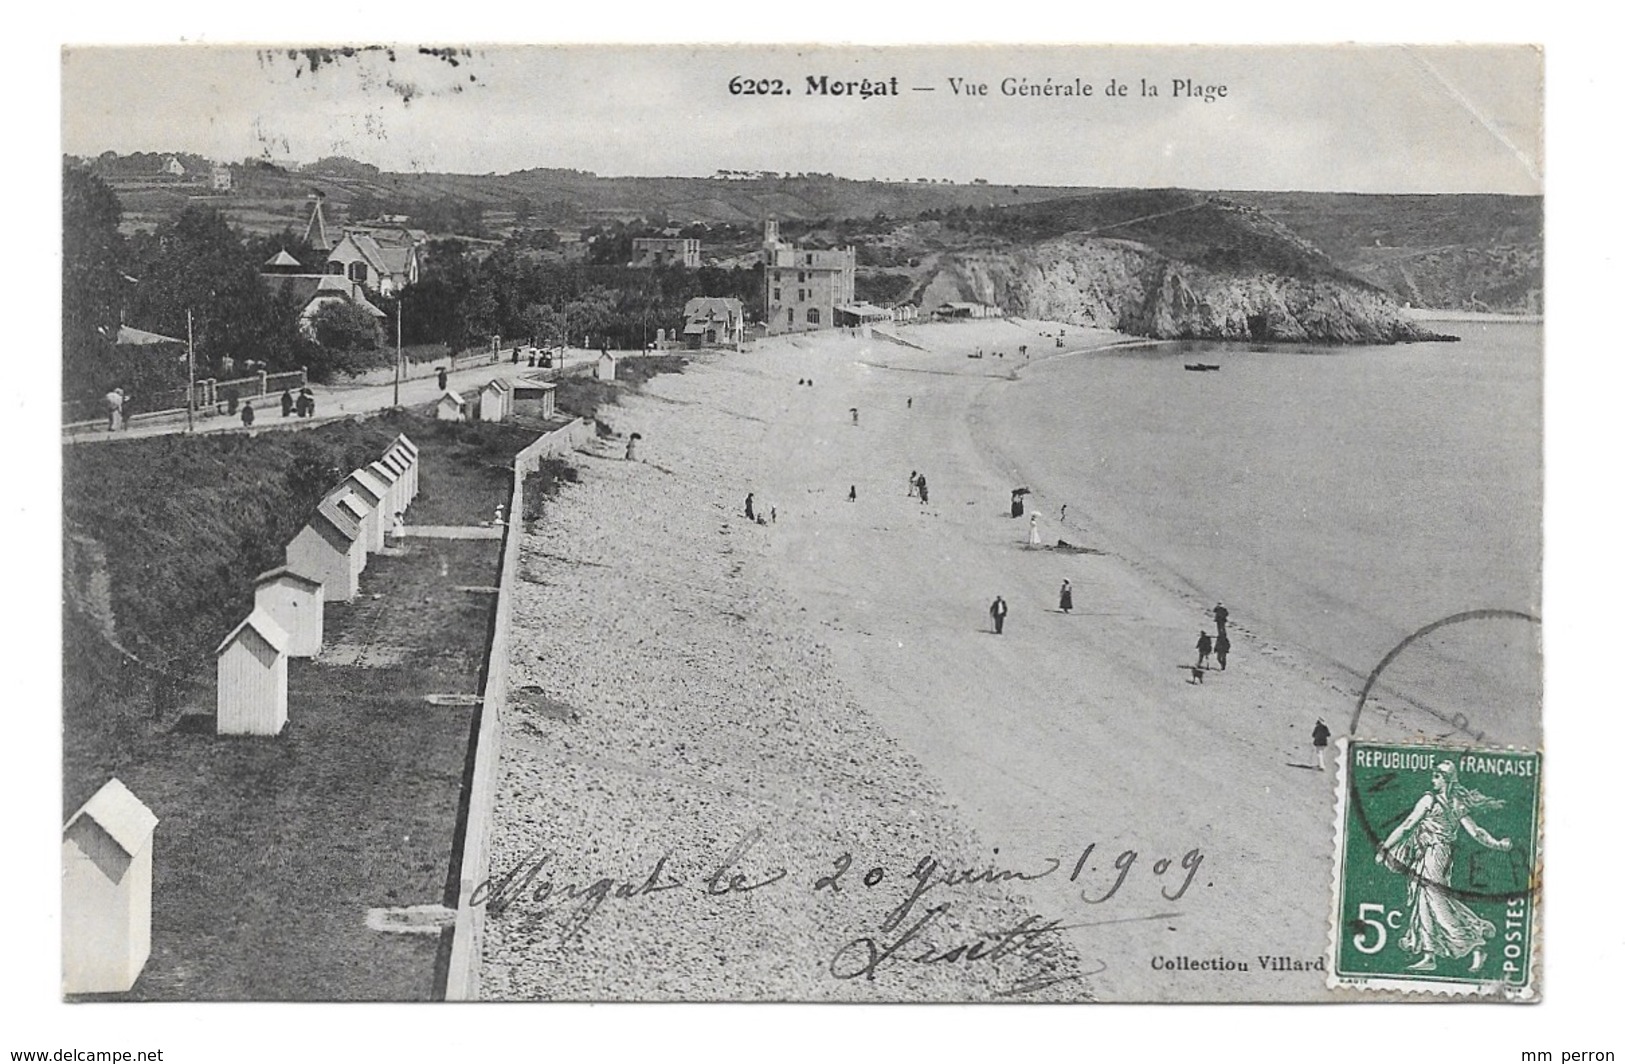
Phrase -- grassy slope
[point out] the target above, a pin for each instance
(269, 852)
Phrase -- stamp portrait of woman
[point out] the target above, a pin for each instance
(1423, 848)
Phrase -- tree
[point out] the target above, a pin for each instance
(340, 325)
(199, 264)
(93, 284)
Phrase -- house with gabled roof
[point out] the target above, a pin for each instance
(713, 320)
(295, 602)
(330, 548)
(404, 445)
(374, 494)
(251, 693)
(107, 892)
(379, 263)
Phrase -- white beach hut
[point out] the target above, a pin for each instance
(295, 603)
(402, 468)
(451, 407)
(395, 499)
(330, 550)
(495, 399)
(374, 493)
(403, 446)
(106, 892)
(606, 367)
(251, 697)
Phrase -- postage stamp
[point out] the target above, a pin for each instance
(1436, 885)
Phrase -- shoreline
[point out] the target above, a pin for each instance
(856, 635)
(1486, 317)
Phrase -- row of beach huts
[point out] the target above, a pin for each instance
(107, 843)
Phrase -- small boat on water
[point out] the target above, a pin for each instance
(1200, 367)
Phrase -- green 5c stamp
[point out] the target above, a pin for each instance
(1437, 870)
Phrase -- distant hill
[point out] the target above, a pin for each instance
(1461, 252)
(1166, 263)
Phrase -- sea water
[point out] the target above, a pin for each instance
(1335, 498)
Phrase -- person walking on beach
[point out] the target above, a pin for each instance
(997, 611)
(1204, 647)
(852, 494)
(911, 402)
(248, 415)
(854, 415)
(925, 496)
(1319, 737)
(1063, 513)
(1066, 596)
(750, 506)
(913, 474)
(1221, 648)
(1221, 617)
(440, 377)
(1032, 531)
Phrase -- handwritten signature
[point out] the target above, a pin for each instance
(1033, 942)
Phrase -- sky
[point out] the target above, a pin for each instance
(1345, 118)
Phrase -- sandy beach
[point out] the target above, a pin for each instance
(721, 703)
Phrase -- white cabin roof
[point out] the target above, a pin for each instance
(262, 625)
(121, 814)
(281, 573)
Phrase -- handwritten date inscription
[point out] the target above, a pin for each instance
(917, 902)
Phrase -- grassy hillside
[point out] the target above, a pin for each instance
(1457, 251)
(165, 535)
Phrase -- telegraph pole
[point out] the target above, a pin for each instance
(191, 371)
(400, 307)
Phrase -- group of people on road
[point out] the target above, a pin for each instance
(304, 404)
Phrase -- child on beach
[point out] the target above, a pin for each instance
(1204, 647)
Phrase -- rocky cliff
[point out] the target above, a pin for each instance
(1166, 264)
(1116, 284)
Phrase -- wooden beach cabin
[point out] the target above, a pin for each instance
(374, 493)
(451, 407)
(251, 664)
(295, 603)
(496, 400)
(395, 490)
(106, 892)
(350, 504)
(534, 397)
(406, 447)
(402, 468)
(330, 549)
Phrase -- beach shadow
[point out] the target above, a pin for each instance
(1289, 764)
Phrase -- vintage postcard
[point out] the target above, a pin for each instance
(802, 523)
